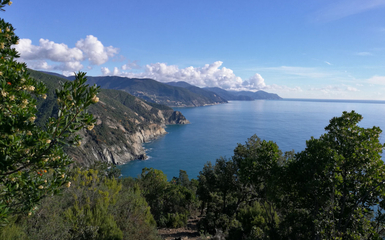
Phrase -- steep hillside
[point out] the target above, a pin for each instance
(124, 122)
(156, 92)
(203, 92)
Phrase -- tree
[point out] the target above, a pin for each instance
(221, 194)
(339, 182)
(334, 189)
(261, 167)
(33, 163)
(171, 202)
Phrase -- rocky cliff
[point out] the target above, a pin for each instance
(123, 124)
(114, 140)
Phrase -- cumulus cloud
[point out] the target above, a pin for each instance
(49, 55)
(105, 71)
(255, 82)
(116, 71)
(57, 52)
(95, 51)
(210, 75)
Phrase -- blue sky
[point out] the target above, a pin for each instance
(331, 49)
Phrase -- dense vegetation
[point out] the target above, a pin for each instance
(334, 189)
(33, 163)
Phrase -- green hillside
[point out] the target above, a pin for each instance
(203, 92)
(124, 122)
(156, 92)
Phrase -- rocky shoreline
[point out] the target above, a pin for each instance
(127, 145)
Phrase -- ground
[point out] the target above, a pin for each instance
(188, 232)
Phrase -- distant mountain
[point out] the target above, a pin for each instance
(227, 95)
(156, 92)
(180, 84)
(243, 95)
(124, 122)
(257, 95)
(201, 91)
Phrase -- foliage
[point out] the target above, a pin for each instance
(171, 202)
(221, 194)
(89, 217)
(339, 181)
(97, 206)
(32, 161)
(334, 189)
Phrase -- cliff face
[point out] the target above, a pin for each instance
(127, 146)
(119, 140)
(123, 124)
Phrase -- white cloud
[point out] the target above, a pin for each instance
(328, 63)
(380, 80)
(255, 82)
(49, 55)
(95, 51)
(335, 89)
(344, 8)
(281, 88)
(116, 71)
(131, 65)
(298, 71)
(352, 89)
(210, 75)
(364, 54)
(48, 50)
(105, 71)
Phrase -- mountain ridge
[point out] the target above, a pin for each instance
(174, 94)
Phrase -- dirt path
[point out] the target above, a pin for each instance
(188, 232)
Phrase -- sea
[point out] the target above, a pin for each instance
(216, 130)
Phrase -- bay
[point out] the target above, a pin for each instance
(215, 130)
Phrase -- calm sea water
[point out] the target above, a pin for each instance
(215, 130)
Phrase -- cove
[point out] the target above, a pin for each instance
(215, 130)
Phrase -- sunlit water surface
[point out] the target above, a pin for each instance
(215, 130)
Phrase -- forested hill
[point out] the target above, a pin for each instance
(124, 122)
(243, 95)
(227, 95)
(156, 92)
(201, 91)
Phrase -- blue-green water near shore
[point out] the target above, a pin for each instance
(215, 130)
